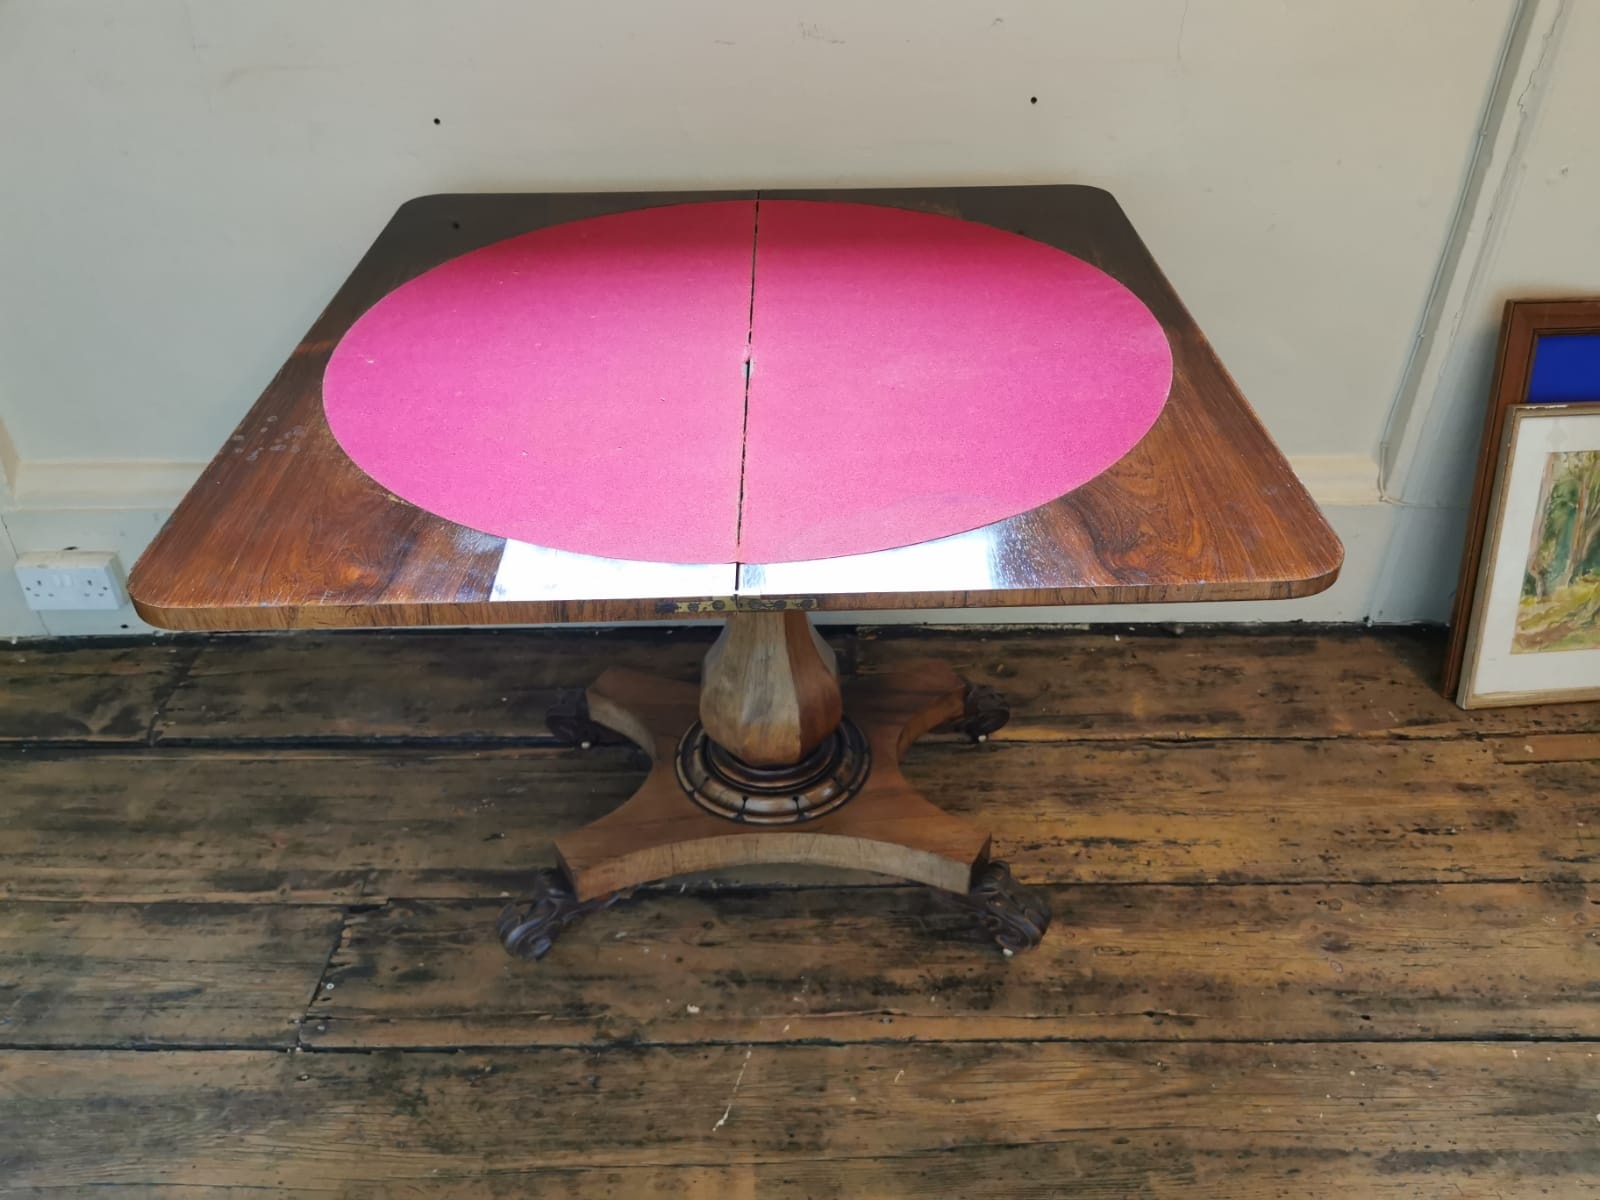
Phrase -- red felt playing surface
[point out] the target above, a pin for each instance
(916, 376)
(584, 387)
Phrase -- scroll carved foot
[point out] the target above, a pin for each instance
(568, 718)
(1014, 915)
(986, 713)
(528, 930)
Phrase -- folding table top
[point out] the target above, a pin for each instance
(703, 402)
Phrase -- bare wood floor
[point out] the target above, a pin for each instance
(1318, 933)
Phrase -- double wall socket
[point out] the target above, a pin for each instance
(71, 580)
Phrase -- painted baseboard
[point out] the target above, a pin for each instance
(121, 505)
(10, 463)
(16, 621)
(103, 505)
(46, 485)
(1336, 480)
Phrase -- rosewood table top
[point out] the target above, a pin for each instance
(284, 530)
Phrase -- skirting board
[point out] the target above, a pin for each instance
(10, 464)
(16, 621)
(1399, 562)
(43, 485)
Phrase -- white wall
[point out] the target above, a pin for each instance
(1544, 243)
(186, 184)
(1532, 231)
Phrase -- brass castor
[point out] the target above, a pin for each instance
(568, 718)
(529, 929)
(1015, 915)
(985, 714)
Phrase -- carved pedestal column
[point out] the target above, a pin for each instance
(770, 690)
(772, 746)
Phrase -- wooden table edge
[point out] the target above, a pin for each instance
(199, 618)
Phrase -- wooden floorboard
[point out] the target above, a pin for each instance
(1266, 963)
(80, 692)
(340, 686)
(1098, 1119)
(1319, 933)
(159, 974)
(298, 825)
(1143, 1167)
(1026, 1173)
(1072, 686)
(1215, 684)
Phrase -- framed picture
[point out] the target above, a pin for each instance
(1549, 354)
(1534, 631)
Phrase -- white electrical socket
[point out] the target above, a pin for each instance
(71, 580)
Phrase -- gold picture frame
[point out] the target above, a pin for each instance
(1533, 631)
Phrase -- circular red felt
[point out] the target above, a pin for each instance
(735, 381)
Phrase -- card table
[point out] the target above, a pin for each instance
(750, 407)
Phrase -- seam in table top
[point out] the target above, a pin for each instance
(749, 350)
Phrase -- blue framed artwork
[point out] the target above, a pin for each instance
(1566, 369)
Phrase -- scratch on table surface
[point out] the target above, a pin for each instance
(732, 1096)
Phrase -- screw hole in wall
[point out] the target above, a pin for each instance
(1031, 100)
(436, 121)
